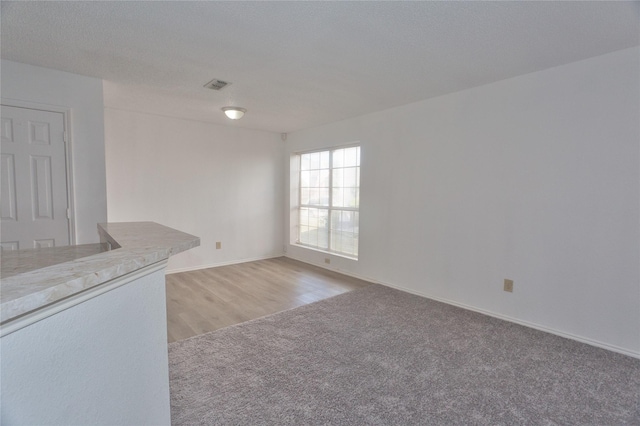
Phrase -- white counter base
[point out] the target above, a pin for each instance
(101, 361)
(85, 341)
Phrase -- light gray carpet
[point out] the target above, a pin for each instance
(378, 356)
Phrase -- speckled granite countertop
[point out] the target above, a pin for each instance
(16, 262)
(135, 245)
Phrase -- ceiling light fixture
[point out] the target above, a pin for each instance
(234, 113)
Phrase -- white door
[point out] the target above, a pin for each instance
(33, 195)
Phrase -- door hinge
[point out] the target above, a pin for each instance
(68, 213)
(64, 136)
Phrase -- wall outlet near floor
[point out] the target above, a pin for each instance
(508, 285)
(218, 245)
(327, 260)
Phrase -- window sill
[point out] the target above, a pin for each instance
(332, 253)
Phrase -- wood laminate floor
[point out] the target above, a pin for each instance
(209, 299)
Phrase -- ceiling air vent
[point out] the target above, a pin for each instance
(216, 84)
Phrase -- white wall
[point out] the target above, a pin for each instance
(101, 362)
(83, 96)
(220, 183)
(534, 178)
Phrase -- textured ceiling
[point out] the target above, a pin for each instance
(296, 65)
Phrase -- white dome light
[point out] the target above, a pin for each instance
(234, 113)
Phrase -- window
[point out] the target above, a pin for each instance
(329, 199)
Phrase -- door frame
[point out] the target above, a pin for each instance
(68, 154)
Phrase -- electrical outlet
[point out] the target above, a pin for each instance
(508, 285)
(327, 260)
(218, 245)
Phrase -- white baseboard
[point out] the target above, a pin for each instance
(214, 265)
(566, 335)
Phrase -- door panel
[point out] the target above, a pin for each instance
(6, 130)
(41, 187)
(33, 171)
(8, 189)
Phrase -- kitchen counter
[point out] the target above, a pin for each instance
(134, 246)
(87, 329)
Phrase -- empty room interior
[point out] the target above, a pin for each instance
(320, 212)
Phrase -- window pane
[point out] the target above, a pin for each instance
(324, 160)
(315, 160)
(304, 196)
(336, 241)
(348, 243)
(337, 197)
(304, 234)
(338, 158)
(314, 196)
(305, 161)
(335, 220)
(313, 218)
(344, 242)
(324, 178)
(350, 221)
(338, 180)
(323, 230)
(351, 157)
(304, 179)
(350, 177)
(314, 227)
(314, 178)
(350, 197)
(311, 237)
(344, 232)
(324, 197)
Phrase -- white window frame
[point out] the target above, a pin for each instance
(297, 205)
